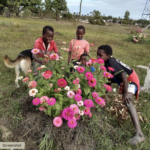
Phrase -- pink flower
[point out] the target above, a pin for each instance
(57, 121)
(51, 101)
(86, 111)
(78, 91)
(108, 87)
(91, 44)
(32, 84)
(38, 68)
(80, 69)
(92, 82)
(107, 75)
(54, 56)
(35, 73)
(78, 97)
(80, 103)
(77, 117)
(75, 108)
(100, 101)
(29, 71)
(43, 99)
(110, 69)
(25, 80)
(88, 103)
(47, 74)
(51, 84)
(94, 94)
(72, 123)
(35, 51)
(100, 61)
(88, 75)
(36, 101)
(42, 108)
(105, 85)
(68, 113)
(70, 94)
(90, 114)
(62, 82)
(89, 63)
(76, 81)
(60, 115)
(103, 68)
(93, 60)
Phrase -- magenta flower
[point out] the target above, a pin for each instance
(103, 68)
(42, 108)
(90, 114)
(92, 82)
(80, 69)
(107, 75)
(35, 51)
(86, 111)
(100, 101)
(78, 91)
(94, 94)
(57, 121)
(88, 103)
(88, 75)
(76, 81)
(72, 123)
(76, 116)
(77, 97)
(32, 84)
(75, 108)
(100, 61)
(68, 113)
(25, 80)
(43, 99)
(70, 94)
(110, 69)
(36, 101)
(51, 101)
(108, 87)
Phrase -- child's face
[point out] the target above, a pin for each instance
(48, 36)
(83, 60)
(101, 54)
(80, 33)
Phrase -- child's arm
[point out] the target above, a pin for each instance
(126, 97)
(43, 62)
(87, 47)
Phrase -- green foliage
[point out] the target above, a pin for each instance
(126, 17)
(67, 15)
(27, 13)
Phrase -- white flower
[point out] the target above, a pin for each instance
(63, 76)
(79, 86)
(78, 47)
(61, 57)
(80, 103)
(64, 42)
(78, 63)
(43, 66)
(75, 67)
(33, 92)
(114, 89)
(81, 112)
(59, 89)
(67, 88)
(62, 68)
(20, 77)
(57, 59)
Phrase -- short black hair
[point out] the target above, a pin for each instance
(47, 28)
(84, 55)
(81, 27)
(106, 48)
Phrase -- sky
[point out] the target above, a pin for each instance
(115, 8)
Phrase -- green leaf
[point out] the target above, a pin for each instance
(49, 111)
(86, 90)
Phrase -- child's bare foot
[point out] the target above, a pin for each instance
(137, 139)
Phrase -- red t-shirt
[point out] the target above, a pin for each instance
(39, 44)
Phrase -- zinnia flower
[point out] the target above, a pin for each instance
(32, 84)
(67, 88)
(93, 60)
(43, 66)
(80, 103)
(38, 68)
(100, 61)
(20, 77)
(75, 67)
(78, 91)
(25, 80)
(80, 69)
(107, 75)
(51, 84)
(42, 108)
(51, 101)
(70, 94)
(94, 94)
(91, 44)
(100, 101)
(103, 68)
(68, 113)
(110, 69)
(47, 74)
(108, 87)
(90, 114)
(72, 123)
(76, 81)
(88, 103)
(36, 101)
(61, 82)
(35, 51)
(75, 108)
(86, 111)
(29, 71)
(81, 112)
(33, 92)
(54, 56)
(76, 117)
(78, 97)
(57, 121)
(92, 82)
(88, 75)
(43, 99)
(89, 63)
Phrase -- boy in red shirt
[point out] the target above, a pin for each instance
(45, 44)
(123, 74)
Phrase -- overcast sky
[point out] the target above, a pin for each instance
(115, 8)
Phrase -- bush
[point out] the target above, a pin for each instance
(27, 13)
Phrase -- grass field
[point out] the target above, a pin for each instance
(20, 34)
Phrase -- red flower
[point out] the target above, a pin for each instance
(61, 82)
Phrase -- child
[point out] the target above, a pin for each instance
(131, 86)
(78, 46)
(45, 44)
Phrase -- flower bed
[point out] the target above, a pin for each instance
(68, 95)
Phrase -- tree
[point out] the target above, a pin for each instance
(48, 4)
(126, 17)
(109, 17)
(3, 4)
(114, 20)
(58, 6)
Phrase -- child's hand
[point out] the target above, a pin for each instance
(126, 98)
(43, 62)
